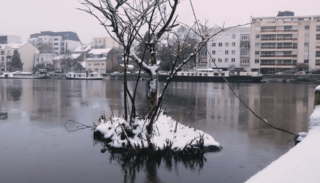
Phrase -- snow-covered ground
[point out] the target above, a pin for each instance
(164, 130)
(301, 163)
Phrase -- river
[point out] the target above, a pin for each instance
(36, 147)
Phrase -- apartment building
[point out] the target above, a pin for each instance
(55, 42)
(229, 49)
(27, 55)
(6, 39)
(285, 41)
(104, 43)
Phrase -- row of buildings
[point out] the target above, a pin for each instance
(269, 45)
(54, 49)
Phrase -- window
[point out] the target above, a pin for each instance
(257, 52)
(219, 59)
(233, 43)
(306, 44)
(56, 39)
(214, 60)
(233, 52)
(318, 36)
(213, 44)
(227, 36)
(219, 52)
(220, 44)
(294, 62)
(213, 52)
(2, 52)
(306, 27)
(227, 44)
(102, 63)
(306, 61)
(233, 60)
(317, 62)
(2, 59)
(56, 44)
(233, 36)
(226, 60)
(317, 53)
(257, 44)
(256, 61)
(257, 36)
(226, 52)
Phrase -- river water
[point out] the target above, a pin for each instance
(36, 147)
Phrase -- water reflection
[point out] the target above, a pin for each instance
(130, 166)
(43, 106)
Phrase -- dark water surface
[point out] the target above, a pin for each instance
(36, 147)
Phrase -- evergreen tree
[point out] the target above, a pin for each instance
(16, 64)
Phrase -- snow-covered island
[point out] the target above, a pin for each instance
(117, 134)
(301, 163)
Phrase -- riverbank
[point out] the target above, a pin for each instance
(301, 163)
(272, 78)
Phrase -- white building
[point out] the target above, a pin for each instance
(27, 54)
(229, 49)
(97, 60)
(6, 39)
(104, 43)
(285, 41)
(45, 58)
(55, 42)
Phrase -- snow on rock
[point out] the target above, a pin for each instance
(163, 131)
(301, 163)
(315, 117)
(317, 88)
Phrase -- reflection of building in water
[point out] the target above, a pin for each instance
(218, 102)
(286, 106)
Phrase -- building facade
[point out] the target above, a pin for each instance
(6, 39)
(55, 42)
(104, 43)
(27, 55)
(284, 42)
(229, 49)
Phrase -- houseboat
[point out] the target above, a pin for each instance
(84, 76)
(22, 75)
(213, 75)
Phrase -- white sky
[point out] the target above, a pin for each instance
(25, 17)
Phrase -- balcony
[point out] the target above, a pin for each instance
(286, 39)
(287, 47)
(267, 63)
(202, 64)
(269, 30)
(278, 55)
(268, 39)
(267, 55)
(317, 55)
(269, 47)
(289, 55)
(287, 63)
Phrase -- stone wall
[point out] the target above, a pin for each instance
(312, 78)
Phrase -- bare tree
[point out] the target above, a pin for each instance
(127, 21)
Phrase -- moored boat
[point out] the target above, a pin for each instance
(21, 75)
(84, 76)
(212, 75)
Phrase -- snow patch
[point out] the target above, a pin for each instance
(163, 131)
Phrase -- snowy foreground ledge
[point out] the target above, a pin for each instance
(301, 163)
(112, 131)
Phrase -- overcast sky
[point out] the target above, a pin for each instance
(25, 17)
